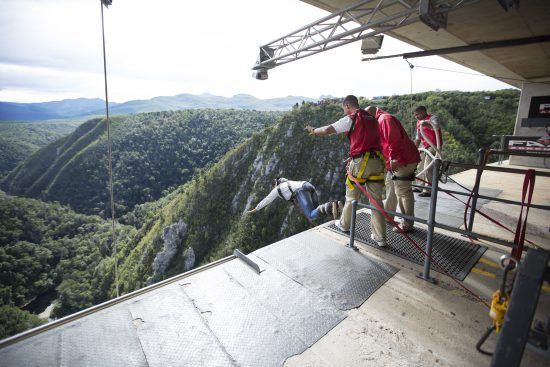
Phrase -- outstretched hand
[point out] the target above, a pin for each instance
(309, 129)
(250, 211)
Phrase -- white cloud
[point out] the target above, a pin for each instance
(52, 50)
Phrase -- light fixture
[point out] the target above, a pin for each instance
(372, 44)
(260, 70)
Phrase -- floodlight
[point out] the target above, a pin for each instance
(260, 70)
(260, 74)
(372, 44)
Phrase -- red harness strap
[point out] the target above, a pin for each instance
(416, 245)
(528, 186)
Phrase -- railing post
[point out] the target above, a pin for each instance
(502, 141)
(475, 190)
(351, 243)
(431, 221)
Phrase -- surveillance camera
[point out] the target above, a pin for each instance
(260, 74)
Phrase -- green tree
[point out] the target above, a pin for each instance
(14, 321)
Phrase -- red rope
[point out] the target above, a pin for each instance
(468, 205)
(528, 186)
(392, 221)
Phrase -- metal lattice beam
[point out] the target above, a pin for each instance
(364, 19)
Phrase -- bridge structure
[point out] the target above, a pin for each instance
(506, 39)
(311, 299)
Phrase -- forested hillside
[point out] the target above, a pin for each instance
(212, 205)
(152, 153)
(469, 119)
(45, 247)
(19, 140)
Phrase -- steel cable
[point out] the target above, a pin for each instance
(110, 156)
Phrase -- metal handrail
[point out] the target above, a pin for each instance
(518, 153)
(497, 169)
(434, 188)
(443, 226)
(483, 156)
(505, 201)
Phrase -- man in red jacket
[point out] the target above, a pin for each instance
(366, 162)
(402, 157)
(426, 134)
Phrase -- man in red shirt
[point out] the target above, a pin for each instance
(425, 125)
(402, 157)
(366, 162)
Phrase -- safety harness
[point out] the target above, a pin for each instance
(412, 177)
(292, 193)
(292, 199)
(375, 154)
(372, 178)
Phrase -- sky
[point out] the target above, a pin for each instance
(52, 50)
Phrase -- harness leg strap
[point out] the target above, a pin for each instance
(372, 178)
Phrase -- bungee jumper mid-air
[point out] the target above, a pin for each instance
(303, 195)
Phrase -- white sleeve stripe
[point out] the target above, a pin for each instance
(342, 125)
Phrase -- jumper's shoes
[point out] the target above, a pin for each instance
(337, 207)
(379, 243)
(325, 209)
(425, 194)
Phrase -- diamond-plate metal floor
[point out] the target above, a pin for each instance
(227, 315)
(336, 273)
(455, 256)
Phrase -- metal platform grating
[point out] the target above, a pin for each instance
(333, 272)
(457, 257)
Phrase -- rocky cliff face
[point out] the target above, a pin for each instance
(212, 206)
(172, 238)
(214, 202)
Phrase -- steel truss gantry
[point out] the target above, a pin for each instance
(366, 18)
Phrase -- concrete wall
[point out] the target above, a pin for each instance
(530, 90)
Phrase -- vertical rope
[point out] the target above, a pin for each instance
(110, 158)
(413, 127)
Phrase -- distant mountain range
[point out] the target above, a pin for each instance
(85, 107)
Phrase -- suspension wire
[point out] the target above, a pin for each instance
(110, 157)
(411, 67)
(477, 74)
